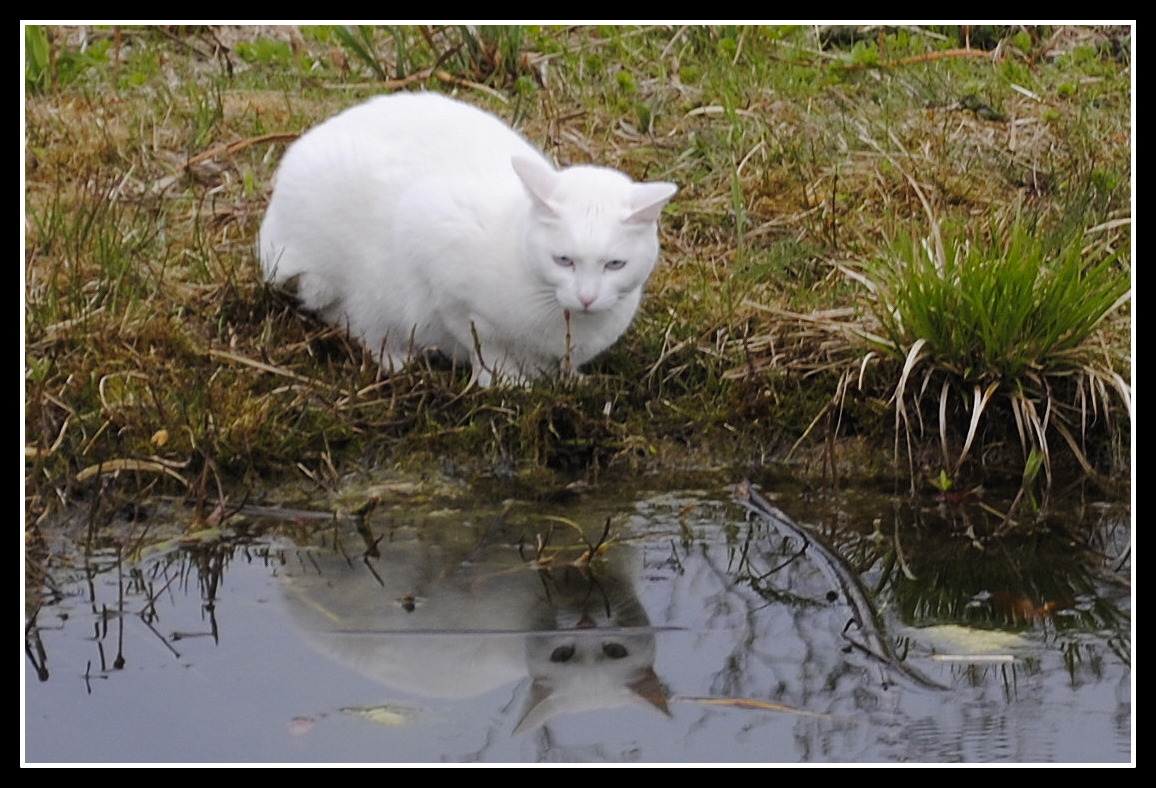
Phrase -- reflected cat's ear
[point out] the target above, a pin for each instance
(539, 709)
(539, 179)
(649, 688)
(648, 200)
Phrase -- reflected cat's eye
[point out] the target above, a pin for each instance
(562, 654)
(614, 650)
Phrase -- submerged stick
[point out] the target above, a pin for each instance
(863, 613)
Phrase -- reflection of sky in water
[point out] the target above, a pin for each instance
(721, 610)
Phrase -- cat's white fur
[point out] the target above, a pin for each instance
(420, 222)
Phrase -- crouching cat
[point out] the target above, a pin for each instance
(422, 223)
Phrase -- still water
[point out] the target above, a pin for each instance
(435, 628)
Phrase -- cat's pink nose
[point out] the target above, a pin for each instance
(586, 622)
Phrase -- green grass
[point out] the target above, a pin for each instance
(800, 153)
(994, 311)
(1010, 314)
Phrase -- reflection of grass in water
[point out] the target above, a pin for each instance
(954, 574)
(951, 564)
(951, 571)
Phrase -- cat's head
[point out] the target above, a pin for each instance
(600, 653)
(593, 232)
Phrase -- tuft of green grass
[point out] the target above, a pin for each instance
(998, 309)
(1011, 313)
(48, 65)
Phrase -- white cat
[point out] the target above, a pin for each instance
(419, 222)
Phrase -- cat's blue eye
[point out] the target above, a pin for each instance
(614, 265)
(565, 262)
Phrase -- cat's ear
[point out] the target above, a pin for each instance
(539, 178)
(647, 201)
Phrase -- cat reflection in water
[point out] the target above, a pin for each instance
(422, 223)
(437, 623)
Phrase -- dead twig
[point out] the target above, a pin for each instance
(233, 147)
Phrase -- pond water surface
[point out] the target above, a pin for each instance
(433, 629)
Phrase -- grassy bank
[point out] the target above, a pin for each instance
(832, 182)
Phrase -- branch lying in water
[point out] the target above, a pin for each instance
(863, 615)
